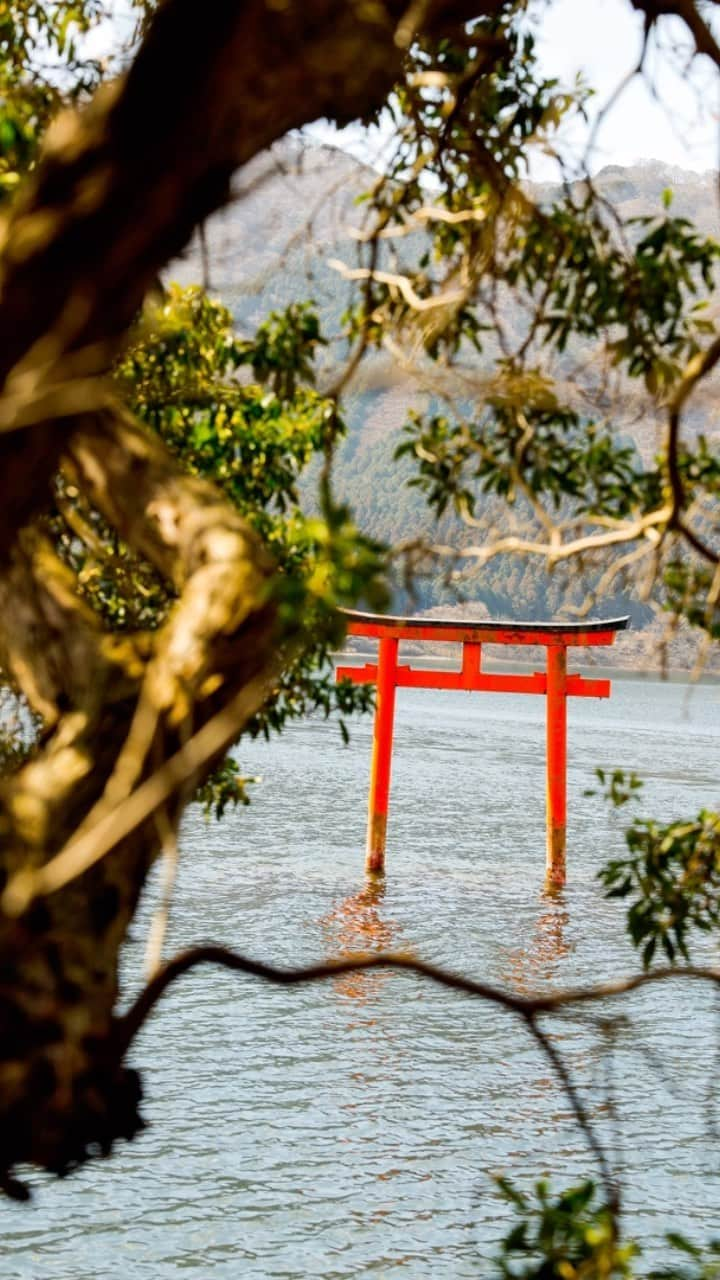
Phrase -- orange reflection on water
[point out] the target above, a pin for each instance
(528, 969)
(357, 924)
(538, 960)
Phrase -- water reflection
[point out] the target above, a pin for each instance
(357, 924)
(275, 1138)
(547, 947)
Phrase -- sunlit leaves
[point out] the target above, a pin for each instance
(570, 1236)
(181, 376)
(43, 67)
(283, 349)
(184, 374)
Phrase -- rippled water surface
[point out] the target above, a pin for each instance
(348, 1129)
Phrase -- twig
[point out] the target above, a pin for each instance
(561, 1070)
(644, 526)
(701, 33)
(401, 283)
(697, 369)
(158, 927)
(526, 1007)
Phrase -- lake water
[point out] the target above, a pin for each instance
(348, 1129)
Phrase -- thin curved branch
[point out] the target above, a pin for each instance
(698, 368)
(526, 1007)
(423, 215)
(361, 347)
(402, 284)
(701, 33)
(696, 542)
(646, 526)
(554, 1055)
(616, 94)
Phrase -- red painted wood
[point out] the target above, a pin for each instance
(555, 683)
(556, 763)
(484, 681)
(386, 673)
(471, 661)
(580, 687)
(506, 635)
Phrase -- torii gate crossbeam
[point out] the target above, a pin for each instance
(388, 674)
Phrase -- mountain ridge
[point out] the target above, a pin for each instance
(295, 209)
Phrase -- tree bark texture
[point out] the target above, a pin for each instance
(118, 193)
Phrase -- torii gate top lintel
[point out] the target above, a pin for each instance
(600, 631)
(388, 674)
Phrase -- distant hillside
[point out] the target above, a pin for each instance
(294, 209)
(293, 212)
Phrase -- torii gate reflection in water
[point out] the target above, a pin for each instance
(555, 682)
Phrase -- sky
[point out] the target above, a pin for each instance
(668, 113)
(602, 39)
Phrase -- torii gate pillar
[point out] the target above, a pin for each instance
(556, 763)
(381, 765)
(388, 675)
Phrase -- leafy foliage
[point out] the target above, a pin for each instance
(672, 877)
(225, 788)
(574, 1236)
(180, 374)
(538, 449)
(43, 66)
(282, 350)
(619, 786)
(595, 280)
(566, 1237)
(691, 594)
(599, 303)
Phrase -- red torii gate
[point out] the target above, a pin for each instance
(555, 682)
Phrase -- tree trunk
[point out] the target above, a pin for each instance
(131, 723)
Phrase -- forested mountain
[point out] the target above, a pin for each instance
(294, 215)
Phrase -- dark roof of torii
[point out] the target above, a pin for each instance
(384, 620)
